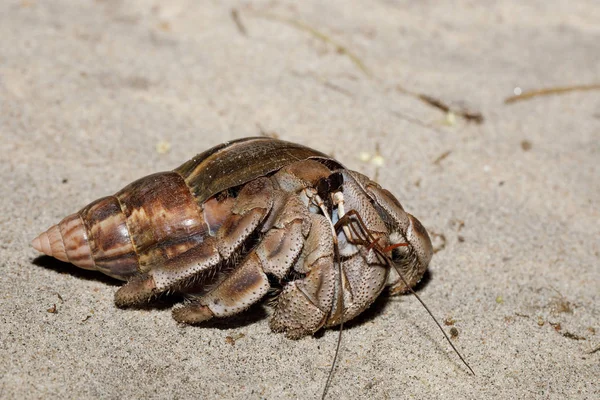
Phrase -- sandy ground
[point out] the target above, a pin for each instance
(92, 92)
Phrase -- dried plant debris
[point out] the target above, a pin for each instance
(163, 147)
(466, 114)
(232, 339)
(526, 145)
(560, 305)
(376, 159)
(326, 83)
(235, 16)
(453, 332)
(450, 119)
(572, 336)
(458, 223)
(449, 321)
(340, 49)
(548, 92)
(442, 157)
(472, 116)
(556, 325)
(88, 316)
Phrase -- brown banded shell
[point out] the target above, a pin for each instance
(126, 233)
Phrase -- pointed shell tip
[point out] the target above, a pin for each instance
(37, 244)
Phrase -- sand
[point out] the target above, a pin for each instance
(96, 94)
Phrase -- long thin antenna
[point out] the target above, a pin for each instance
(345, 223)
(431, 314)
(381, 252)
(340, 299)
(340, 303)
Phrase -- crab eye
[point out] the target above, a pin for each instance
(398, 248)
(396, 256)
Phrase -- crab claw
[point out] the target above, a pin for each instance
(412, 260)
(419, 239)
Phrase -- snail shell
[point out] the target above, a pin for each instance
(162, 215)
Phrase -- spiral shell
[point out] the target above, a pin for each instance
(162, 215)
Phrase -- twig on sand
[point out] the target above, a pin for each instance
(340, 48)
(468, 115)
(441, 157)
(235, 15)
(550, 91)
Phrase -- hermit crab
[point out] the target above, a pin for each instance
(232, 222)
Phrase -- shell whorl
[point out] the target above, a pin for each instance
(67, 241)
(95, 238)
(151, 222)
